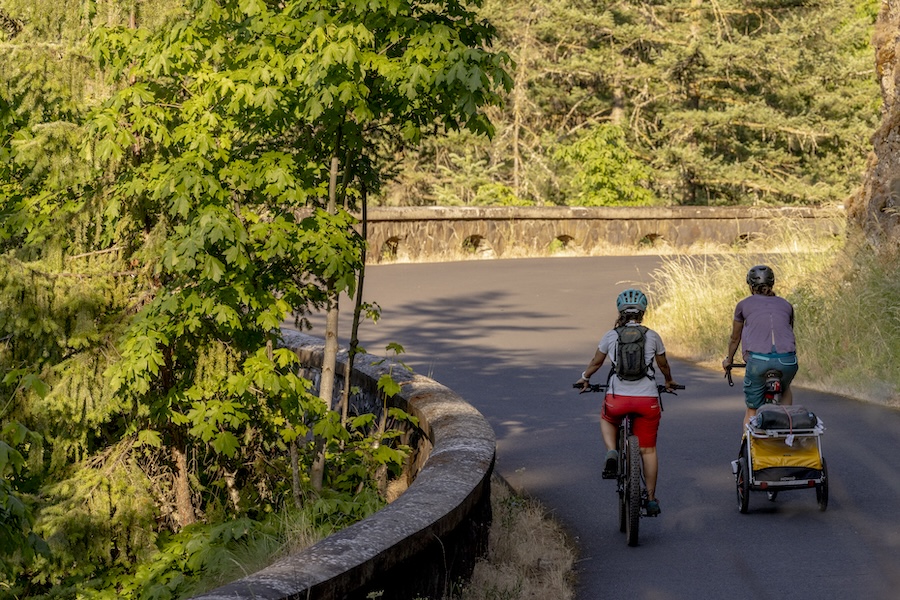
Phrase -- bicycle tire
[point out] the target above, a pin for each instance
(633, 491)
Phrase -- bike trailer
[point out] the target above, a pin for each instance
(782, 450)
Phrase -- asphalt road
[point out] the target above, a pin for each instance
(511, 336)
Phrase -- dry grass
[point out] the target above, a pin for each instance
(529, 555)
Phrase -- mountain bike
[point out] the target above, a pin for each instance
(781, 448)
(630, 484)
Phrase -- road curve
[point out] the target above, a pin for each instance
(510, 336)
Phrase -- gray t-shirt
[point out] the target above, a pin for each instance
(646, 386)
(768, 325)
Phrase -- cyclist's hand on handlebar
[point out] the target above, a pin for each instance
(671, 386)
(583, 384)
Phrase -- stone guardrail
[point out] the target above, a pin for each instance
(419, 232)
(428, 537)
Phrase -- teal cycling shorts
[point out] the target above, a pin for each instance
(754, 375)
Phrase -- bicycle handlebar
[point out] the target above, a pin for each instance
(728, 371)
(602, 387)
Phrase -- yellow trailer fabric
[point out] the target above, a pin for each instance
(774, 452)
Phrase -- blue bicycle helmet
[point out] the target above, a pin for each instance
(631, 300)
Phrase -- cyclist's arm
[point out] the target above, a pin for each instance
(594, 365)
(663, 363)
(735, 341)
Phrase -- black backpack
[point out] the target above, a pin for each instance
(629, 364)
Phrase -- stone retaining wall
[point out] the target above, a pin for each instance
(418, 232)
(423, 541)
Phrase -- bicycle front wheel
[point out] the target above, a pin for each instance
(633, 491)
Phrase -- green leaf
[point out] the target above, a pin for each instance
(226, 443)
(362, 421)
(11, 460)
(36, 384)
(148, 437)
(388, 386)
(395, 348)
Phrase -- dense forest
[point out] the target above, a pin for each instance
(671, 102)
(180, 177)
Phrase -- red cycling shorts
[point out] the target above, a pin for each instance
(648, 411)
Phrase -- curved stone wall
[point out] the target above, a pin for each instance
(419, 232)
(417, 545)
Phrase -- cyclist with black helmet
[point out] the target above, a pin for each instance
(764, 329)
(639, 396)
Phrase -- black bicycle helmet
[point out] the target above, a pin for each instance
(760, 275)
(631, 300)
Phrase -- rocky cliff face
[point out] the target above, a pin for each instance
(876, 207)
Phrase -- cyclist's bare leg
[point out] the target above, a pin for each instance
(651, 469)
(609, 432)
(751, 412)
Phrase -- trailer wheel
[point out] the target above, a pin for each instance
(742, 481)
(822, 489)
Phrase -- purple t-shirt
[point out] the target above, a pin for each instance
(768, 325)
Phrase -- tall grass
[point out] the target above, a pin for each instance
(283, 534)
(846, 300)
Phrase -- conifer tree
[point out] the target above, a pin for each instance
(63, 287)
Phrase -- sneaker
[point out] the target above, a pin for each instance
(653, 508)
(611, 467)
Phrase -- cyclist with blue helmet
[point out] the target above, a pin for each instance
(637, 396)
(763, 327)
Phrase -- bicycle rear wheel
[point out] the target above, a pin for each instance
(621, 444)
(633, 491)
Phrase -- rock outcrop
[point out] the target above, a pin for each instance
(876, 206)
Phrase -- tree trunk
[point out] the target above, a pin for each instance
(518, 105)
(329, 359)
(184, 506)
(295, 474)
(357, 312)
(617, 116)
